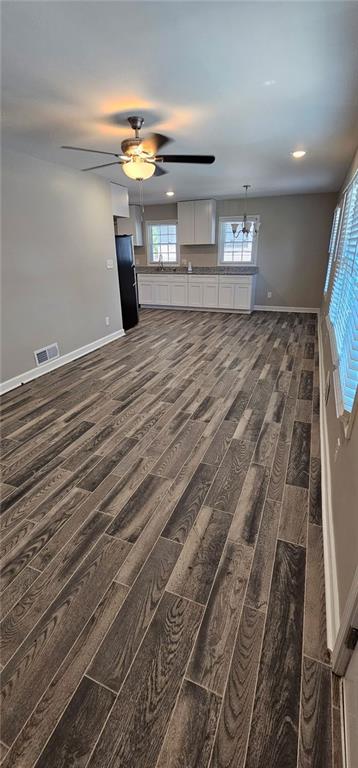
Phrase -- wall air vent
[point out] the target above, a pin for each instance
(46, 354)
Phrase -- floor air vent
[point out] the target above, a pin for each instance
(46, 354)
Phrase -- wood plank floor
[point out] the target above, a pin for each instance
(161, 579)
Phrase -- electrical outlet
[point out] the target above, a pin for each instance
(269, 294)
(109, 263)
(106, 320)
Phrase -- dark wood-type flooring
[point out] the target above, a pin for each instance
(162, 555)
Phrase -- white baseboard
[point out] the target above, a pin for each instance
(196, 309)
(34, 373)
(262, 308)
(330, 564)
(257, 308)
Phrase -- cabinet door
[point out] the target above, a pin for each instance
(179, 293)
(119, 196)
(186, 223)
(210, 294)
(195, 294)
(226, 295)
(243, 295)
(162, 293)
(204, 224)
(145, 291)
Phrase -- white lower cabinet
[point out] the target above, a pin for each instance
(178, 292)
(236, 292)
(146, 290)
(226, 295)
(162, 292)
(195, 293)
(242, 299)
(207, 291)
(210, 294)
(203, 291)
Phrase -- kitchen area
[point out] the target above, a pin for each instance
(190, 278)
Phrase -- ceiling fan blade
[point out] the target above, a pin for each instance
(93, 168)
(154, 141)
(202, 159)
(159, 171)
(96, 151)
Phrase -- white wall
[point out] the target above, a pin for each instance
(57, 232)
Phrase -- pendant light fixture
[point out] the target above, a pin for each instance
(246, 223)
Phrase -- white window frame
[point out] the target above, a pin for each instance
(346, 417)
(165, 222)
(333, 241)
(253, 261)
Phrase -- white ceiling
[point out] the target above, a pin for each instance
(246, 81)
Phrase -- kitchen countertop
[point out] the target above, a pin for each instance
(244, 270)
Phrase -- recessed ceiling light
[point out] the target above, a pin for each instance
(298, 153)
(170, 194)
(270, 82)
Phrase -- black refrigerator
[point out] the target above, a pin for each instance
(127, 280)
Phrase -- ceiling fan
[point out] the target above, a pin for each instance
(141, 158)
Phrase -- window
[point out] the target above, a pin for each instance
(162, 242)
(237, 250)
(343, 306)
(332, 246)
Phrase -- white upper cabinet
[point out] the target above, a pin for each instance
(196, 222)
(204, 222)
(186, 226)
(120, 206)
(132, 226)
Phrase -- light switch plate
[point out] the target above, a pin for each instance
(109, 263)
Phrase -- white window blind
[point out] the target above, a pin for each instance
(332, 245)
(343, 308)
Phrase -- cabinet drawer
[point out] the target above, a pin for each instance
(235, 279)
(142, 278)
(203, 278)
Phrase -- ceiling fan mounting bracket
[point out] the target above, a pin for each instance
(136, 123)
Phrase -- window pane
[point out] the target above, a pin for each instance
(236, 247)
(163, 240)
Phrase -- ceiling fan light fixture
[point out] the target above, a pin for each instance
(138, 169)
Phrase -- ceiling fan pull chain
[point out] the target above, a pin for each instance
(141, 196)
